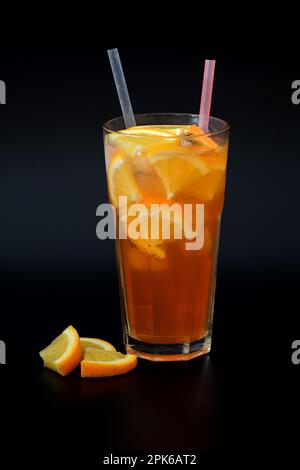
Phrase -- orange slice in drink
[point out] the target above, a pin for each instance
(159, 222)
(96, 344)
(207, 188)
(201, 138)
(121, 181)
(146, 245)
(64, 353)
(149, 131)
(97, 363)
(217, 159)
(141, 261)
(136, 140)
(178, 169)
(212, 184)
(149, 248)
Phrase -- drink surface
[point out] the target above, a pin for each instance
(167, 290)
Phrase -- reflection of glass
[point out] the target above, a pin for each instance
(167, 291)
(182, 408)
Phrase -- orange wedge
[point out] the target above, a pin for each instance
(96, 344)
(121, 181)
(64, 353)
(203, 139)
(97, 363)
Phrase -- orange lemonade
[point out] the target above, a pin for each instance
(167, 290)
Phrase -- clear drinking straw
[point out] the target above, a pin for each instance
(121, 86)
(207, 87)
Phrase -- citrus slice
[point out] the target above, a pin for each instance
(194, 130)
(121, 181)
(136, 140)
(157, 222)
(142, 262)
(97, 363)
(178, 169)
(96, 344)
(142, 238)
(208, 187)
(149, 131)
(149, 248)
(217, 159)
(64, 353)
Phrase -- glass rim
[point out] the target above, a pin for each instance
(195, 117)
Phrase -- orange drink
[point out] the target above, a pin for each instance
(167, 289)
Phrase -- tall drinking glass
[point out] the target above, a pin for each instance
(167, 283)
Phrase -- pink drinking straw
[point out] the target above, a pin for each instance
(207, 87)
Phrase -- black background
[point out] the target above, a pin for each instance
(55, 272)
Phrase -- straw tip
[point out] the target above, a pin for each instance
(112, 51)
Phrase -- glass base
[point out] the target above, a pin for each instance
(168, 352)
